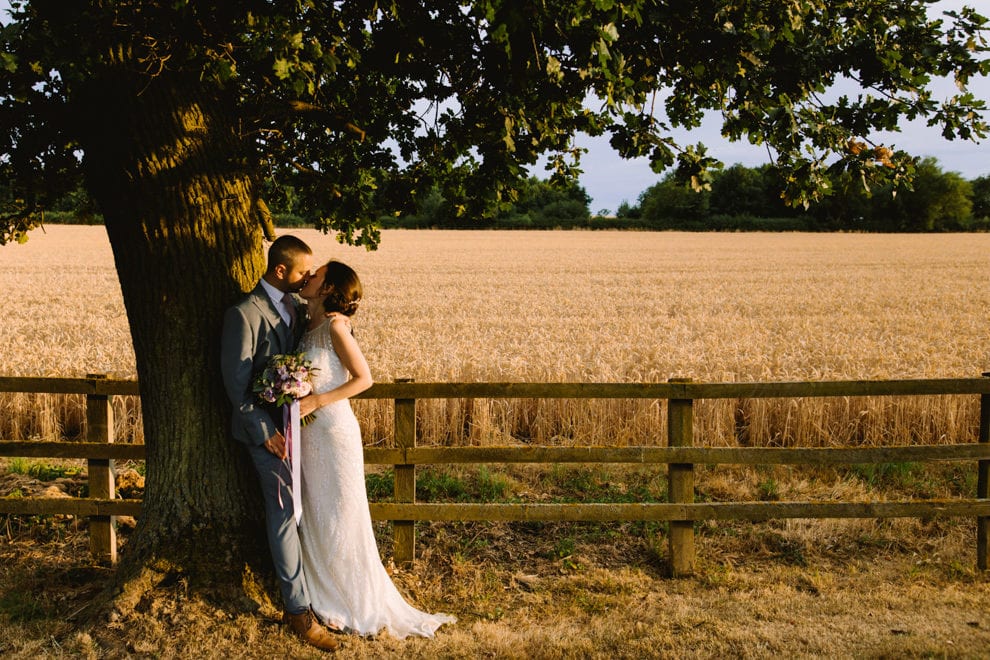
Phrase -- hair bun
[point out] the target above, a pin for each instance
(335, 303)
(342, 287)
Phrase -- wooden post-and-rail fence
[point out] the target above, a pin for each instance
(680, 455)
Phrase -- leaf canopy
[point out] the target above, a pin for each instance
(358, 106)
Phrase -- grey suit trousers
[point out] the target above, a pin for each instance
(283, 537)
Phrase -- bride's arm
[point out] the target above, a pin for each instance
(353, 360)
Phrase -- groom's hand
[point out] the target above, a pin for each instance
(276, 445)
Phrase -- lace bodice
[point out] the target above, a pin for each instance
(318, 346)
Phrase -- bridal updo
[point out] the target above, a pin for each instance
(343, 289)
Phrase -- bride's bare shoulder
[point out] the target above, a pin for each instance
(339, 322)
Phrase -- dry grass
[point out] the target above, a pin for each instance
(579, 306)
(900, 589)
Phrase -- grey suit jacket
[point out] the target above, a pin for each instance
(253, 331)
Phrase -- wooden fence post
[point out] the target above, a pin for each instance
(680, 489)
(405, 477)
(983, 486)
(99, 428)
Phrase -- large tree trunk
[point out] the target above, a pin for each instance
(163, 165)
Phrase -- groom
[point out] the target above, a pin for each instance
(264, 323)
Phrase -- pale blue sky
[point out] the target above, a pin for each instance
(611, 180)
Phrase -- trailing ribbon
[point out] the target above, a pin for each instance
(290, 418)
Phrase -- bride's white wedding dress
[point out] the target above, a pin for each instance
(347, 583)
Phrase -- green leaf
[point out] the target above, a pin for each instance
(281, 68)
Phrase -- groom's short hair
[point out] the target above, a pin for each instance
(285, 250)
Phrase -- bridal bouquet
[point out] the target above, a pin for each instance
(285, 379)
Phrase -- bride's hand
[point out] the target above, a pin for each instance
(308, 404)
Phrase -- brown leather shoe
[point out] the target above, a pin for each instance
(306, 628)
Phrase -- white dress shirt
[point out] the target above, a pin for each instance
(277, 297)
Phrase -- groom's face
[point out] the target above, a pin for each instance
(296, 274)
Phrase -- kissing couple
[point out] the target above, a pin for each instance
(328, 567)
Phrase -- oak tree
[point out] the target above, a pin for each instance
(176, 114)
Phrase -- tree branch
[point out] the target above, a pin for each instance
(309, 109)
(265, 218)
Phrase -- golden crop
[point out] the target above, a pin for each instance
(581, 306)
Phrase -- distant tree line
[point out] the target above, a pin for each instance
(744, 198)
(740, 199)
(539, 205)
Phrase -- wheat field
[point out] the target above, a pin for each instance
(577, 306)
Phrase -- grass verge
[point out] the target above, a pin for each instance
(795, 588)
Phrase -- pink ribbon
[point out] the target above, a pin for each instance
(290, 419)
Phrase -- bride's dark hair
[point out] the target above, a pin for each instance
(344, 289)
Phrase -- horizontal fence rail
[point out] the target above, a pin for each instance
(752, 511)
(529, 454)
(669, 390)
(680, 456)
(73, 506)
(707, 455)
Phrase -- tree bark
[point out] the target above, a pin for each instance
(165, 167)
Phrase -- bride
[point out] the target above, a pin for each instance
(348, 586)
